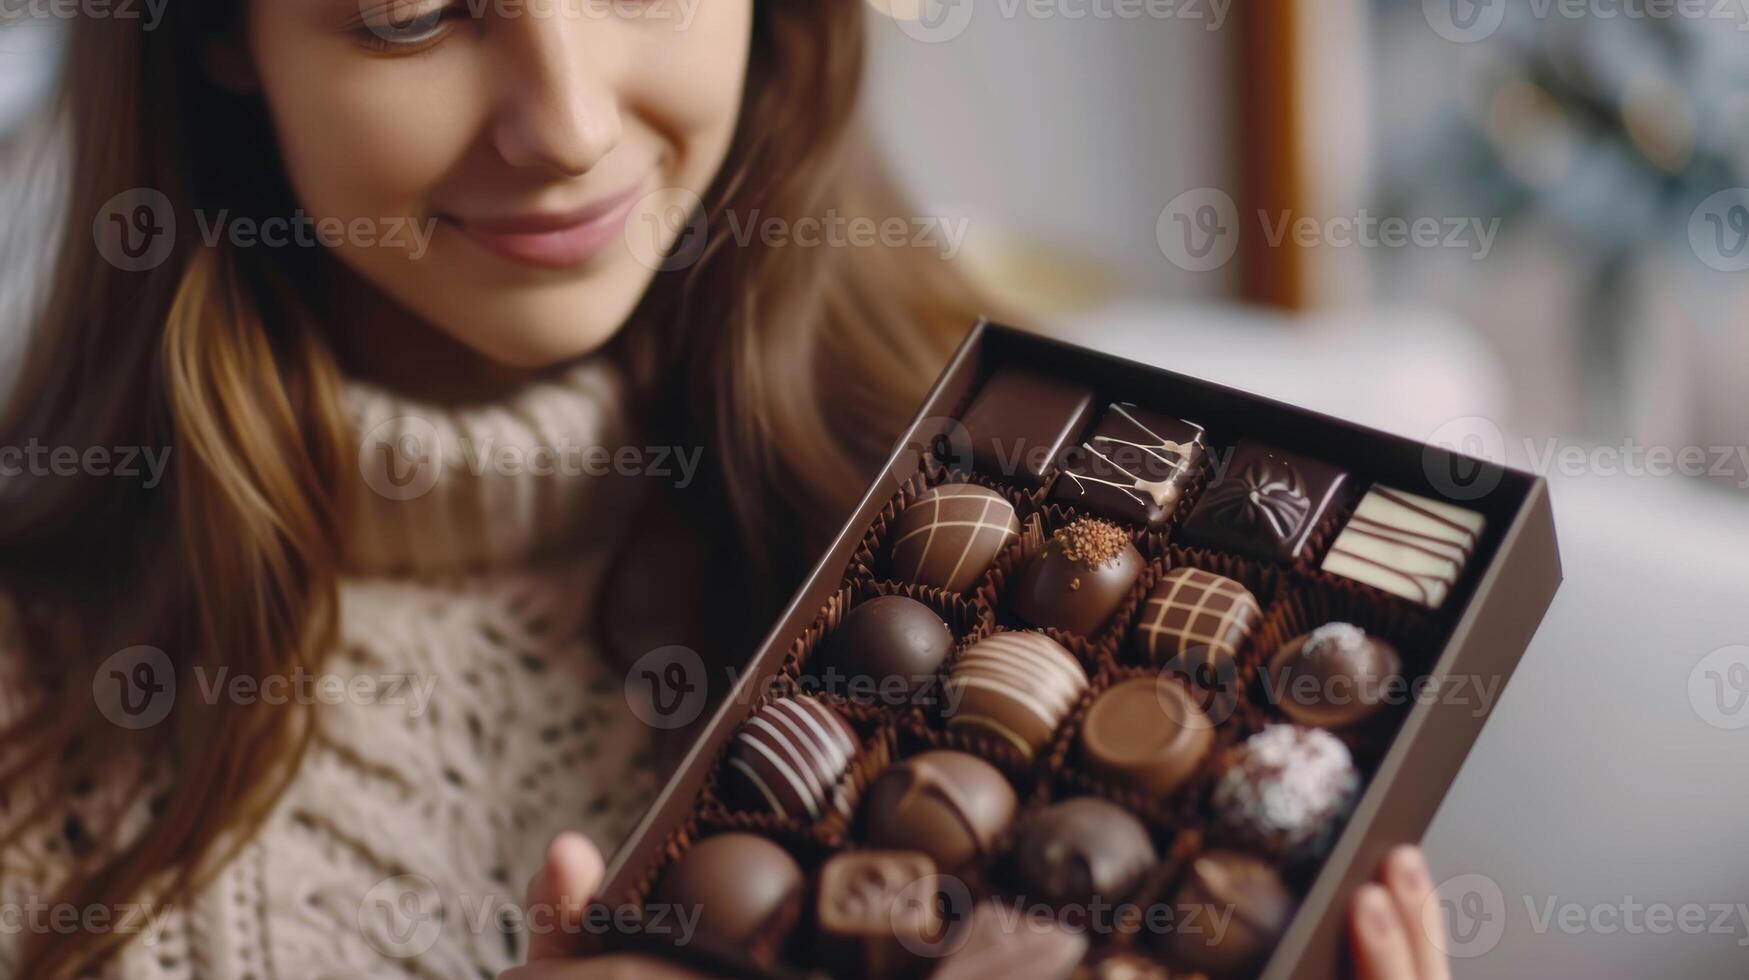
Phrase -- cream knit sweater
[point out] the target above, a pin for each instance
(477, 721)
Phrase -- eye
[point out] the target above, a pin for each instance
(403, 28)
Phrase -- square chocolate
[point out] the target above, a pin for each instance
(1134, 467)
(1195, 618)
(1021, 421)
(877, 910)
(1406, 545)
(1265, 505)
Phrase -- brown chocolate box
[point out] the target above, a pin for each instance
(1487, 622)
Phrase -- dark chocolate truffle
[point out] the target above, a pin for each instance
(1197, 621)
(1021, 421)
(1134, 468)
(1013, 944)
(949, 536)
(1015, 686)
(888, 648)
(1244, 892)
(1080, 578)
(951, 806)
(746, 889)
(1266, 505)
(1286, 792)
(877, 910)
(788, 759)
(1334, 676)
(1406, 545)
(1083, 849)
(1146, 734)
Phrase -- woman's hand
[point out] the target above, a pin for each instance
(558, 894)
(1393, 924)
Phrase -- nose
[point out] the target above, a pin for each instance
(559, 108)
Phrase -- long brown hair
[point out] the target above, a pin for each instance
(802, 364)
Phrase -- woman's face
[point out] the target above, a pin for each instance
(508, 170)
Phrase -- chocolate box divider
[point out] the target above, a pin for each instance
(1502, 596)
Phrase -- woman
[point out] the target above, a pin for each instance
(425, 252)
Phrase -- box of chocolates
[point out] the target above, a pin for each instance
(1114, 673)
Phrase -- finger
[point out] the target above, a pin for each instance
(558, 894)
(1381, 945)
(1411, 888)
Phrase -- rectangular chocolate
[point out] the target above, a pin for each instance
(1134, 467)
(1265, 504)
(1021, 422)
(1490, 610)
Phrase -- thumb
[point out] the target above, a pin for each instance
(558, 893)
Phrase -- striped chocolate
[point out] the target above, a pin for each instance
(788, 758)
(1406, 545)
(949, 536)
(1016, 686)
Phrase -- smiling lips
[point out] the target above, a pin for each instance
(554, 241)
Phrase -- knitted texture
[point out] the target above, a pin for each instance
(464, 718)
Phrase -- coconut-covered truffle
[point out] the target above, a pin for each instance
(1287, 792)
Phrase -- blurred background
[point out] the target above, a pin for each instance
(1518, 227)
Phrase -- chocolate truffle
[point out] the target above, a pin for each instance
(1021, 421)
(949, 536)
(887, 647)
(1014, 944)
(1266, 505)
(1083, 849)
(1146, 734)
(877, 910)
(1195, 620)
(1406, 545)
(746, 890)
(787, 760)
(949, 805)
(1015, 686)
(1079, 579)
(1243, 891)
(1134, 467)
(1286, 792)
(1334, 676)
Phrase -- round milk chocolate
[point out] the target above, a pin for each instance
(1146, 734)
(746, 890)
(1083, 849)
(950, 535)
(1079, 579)
(1017, 687)
(1286, 791)
(1243, 891)
(949, 805)
(1334, 676)
(787, 760)
(888, 646)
